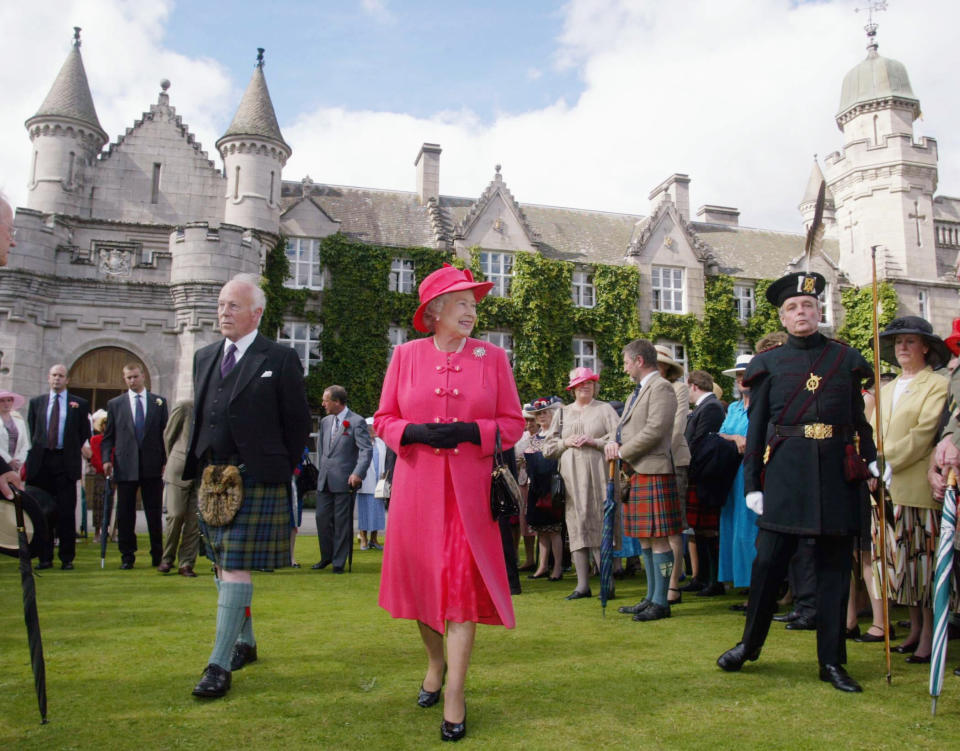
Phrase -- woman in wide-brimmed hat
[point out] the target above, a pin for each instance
(14, 436)
(577, 438)
(911, 406)
(738, 524)
(544, 514)
(445, 397)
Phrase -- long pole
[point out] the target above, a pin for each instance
(881, 488)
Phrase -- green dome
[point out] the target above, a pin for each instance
(875, 78)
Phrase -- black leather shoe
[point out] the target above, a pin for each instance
(802, 624)
(338, 570)
(454, 731)
(838, 678)
(427, 699)
(214, 683)
(787, 617)
(679, 598)
(44, 564)
(905, 649)
(854, 633)
(243, 654)
(695, 585)
(126, 566)
(66, 566)
(713, 590)
(575, 595)
(653, 612)
(917, 660)
(732, 660)
(740, 607)
(634, 609)
(867, 638)
(957, 672)
(320, 565)
(544, 575)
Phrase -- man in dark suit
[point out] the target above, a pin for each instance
(133, 456)
(806, 415)
(252, 413)
(59, 425)
(345, 452)
(704, 517)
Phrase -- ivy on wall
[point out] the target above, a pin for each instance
(282, 301)
(715, 339)
(857, 329)
(765, 319)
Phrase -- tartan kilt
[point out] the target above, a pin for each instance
(258, 536)
(653, 507)
(700, 516)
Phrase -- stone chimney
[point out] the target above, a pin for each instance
(710, 214)
(428, 172)
(677, 189)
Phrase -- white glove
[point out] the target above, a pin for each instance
(755, 502)
(874, 469)
(887, 474)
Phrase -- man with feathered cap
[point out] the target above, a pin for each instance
(802, 470)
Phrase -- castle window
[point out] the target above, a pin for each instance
(272, 176)
(303, 254)
(585, 354)
(70, 168)
(498, 268)
(397, 336)
(744, 301)
(33, 170)
(401, 275)
(584, 292)
(503, 339)
(826, 314)
(304, 338)
(155, 187)
(236, 184)
(668, 288)
(923, 304)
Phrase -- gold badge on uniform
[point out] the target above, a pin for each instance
(809, 284)
(813, 382)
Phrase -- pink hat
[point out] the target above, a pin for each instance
(580, 375)
(441, 281)
(953, 341)
(18, 400)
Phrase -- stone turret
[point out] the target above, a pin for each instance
(67, 137)
(808, 204)
(254, 153)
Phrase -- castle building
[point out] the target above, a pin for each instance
(122, 247)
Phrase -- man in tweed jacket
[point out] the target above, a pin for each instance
(643, 443)
(251, 412)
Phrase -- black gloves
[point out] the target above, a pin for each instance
(441, 435)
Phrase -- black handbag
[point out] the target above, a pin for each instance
(307, 477)
(558, 490)
(504, 491)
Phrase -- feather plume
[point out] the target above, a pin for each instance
(815, 233)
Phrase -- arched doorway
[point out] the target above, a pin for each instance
(98, 375)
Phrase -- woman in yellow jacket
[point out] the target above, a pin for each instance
(911, 406)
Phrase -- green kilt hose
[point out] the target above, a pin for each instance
(258, 536)
(653, 508)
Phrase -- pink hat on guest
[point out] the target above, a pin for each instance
(581, 375)
(441, 281)
(953, 341)
(18, 399)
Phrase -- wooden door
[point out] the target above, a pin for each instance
(98, 375)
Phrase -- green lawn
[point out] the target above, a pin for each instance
(124, 649)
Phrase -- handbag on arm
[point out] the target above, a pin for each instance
(504, 491)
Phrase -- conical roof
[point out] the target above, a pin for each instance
(255, 115)
(813, 187)
(70, 97)
(875, 78)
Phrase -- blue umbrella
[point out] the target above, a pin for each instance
(941, 590)
(606, 542)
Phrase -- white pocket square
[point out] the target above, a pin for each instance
(266, 374)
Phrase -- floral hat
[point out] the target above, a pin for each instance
(544, 403)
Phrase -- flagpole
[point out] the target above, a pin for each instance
(878, 431)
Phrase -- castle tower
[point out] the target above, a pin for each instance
(882, 180)
(254, 152)
(66, 136)
(808, 204)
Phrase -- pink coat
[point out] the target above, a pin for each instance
(425, 385)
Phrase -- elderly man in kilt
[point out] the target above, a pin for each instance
(252, 413)
(643, 442)
(802, 472)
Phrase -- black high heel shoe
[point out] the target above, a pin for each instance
(538, 576)
(427, 699)
(454, 731)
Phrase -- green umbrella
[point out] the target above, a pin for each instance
(941, 590)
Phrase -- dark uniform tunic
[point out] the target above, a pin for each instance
(805, 493)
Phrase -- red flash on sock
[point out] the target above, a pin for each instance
(246, 611)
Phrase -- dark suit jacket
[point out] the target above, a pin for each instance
(76, 431)
(268, 412)
(130, 461)
(347, 453)
(707, 417)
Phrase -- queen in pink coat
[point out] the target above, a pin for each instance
(443, 399)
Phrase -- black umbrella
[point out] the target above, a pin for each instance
(353, 504)
(606, 541)
(105, 522)
(30, 609)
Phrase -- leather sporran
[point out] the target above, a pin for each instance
(504, 491)
(220, 495)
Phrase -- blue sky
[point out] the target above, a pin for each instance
(586, 103)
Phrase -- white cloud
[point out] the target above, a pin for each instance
(377, 10)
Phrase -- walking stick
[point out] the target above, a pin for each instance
(881, 488)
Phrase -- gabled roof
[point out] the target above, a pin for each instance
(255, 116)
(496, 187)
(644, 229)
(69, 97)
